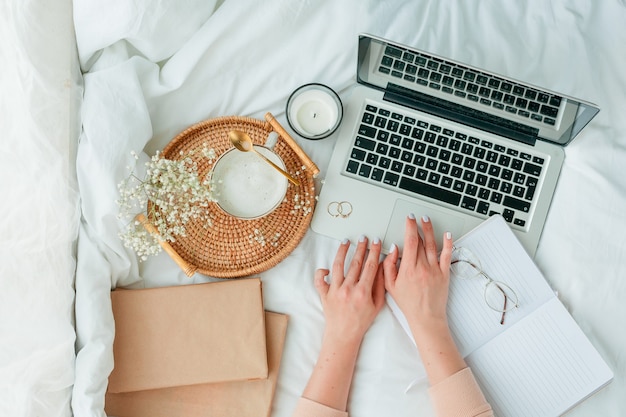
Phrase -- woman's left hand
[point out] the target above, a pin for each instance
(352, 301)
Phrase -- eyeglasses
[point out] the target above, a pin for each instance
(498, 296)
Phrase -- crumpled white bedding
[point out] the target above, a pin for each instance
(152, 68)
(39, 213)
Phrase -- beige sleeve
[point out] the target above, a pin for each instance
(309, 408)
(459, 396)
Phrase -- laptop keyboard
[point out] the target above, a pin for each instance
(472, 174)
(470, 85)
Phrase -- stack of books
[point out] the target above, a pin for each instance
(194, 350)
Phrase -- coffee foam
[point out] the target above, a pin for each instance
(246, 185)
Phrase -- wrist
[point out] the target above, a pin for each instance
(342, 341)
(435, 327)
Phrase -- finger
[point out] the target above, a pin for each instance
(378, 290)
(320, 284)
(354, 270)
(338, 263)
(390, 269)
(370, 269)
(411, 241)
(446, 254)
(430, 245)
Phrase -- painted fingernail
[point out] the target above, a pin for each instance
(425, 219)
(345, 241)
(393, 248)
(448, 235)
(411, 216)
(362, 238)
(376, 241)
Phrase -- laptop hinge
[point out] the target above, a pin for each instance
(461, 114)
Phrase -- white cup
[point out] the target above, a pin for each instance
(245, 185)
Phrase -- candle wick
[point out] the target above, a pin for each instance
(314, 115)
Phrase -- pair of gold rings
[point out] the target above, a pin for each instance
(341, 209)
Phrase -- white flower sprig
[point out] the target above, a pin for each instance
(176, 195)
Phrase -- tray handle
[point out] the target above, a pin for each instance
(308, 163)
(187, 268)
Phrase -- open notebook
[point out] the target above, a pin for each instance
(539, 363)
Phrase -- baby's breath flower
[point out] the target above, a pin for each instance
(176, 195)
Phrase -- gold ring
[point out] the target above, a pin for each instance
(341, 209)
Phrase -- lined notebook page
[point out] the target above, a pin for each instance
(504, 259)
(542, 368)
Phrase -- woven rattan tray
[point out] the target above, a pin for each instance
(233, 247)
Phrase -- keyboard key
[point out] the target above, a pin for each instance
(434, 178)
(516, 204)
(391, 179)
(532, 169)
(493, 83)
(555, 101)
(483, 207)
(372, 158)
(431, 191)
(469, 203)
(353, 167)
(549, 111)
(368, 131)
(508, 215)
(393, 51)
(365, 170)
(382, 148)
(382, 136)
(377, 174)
(409, 170)
(358, 154)
(543, 98)
(367, 118)
(365, 143)
(496, 197)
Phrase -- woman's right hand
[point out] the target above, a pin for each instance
(420, 284)
(420, 288)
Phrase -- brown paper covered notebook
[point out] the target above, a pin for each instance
(188, 334)
(227, 399)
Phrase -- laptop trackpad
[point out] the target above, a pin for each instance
(443, 221)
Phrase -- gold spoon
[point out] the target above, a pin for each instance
(243, 142)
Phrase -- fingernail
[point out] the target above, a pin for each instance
(448, 235)
(376, 241)
(361, 238)
(411, 216)
(425, 219)
(393, 248)
(345, 241)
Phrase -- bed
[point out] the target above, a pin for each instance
(84, 84)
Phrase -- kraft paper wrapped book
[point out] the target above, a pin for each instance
(188, 334)
(226, 399)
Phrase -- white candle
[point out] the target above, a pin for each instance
(314, 111)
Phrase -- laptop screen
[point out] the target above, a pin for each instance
(470, 95)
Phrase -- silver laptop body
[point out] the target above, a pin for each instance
(427, 135)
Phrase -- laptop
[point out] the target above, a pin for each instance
(428, 135)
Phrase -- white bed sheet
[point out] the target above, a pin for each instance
(152, 68)
(39, 214)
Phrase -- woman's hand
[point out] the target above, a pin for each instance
(420, 288)
(352, 301)
(420, 285)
